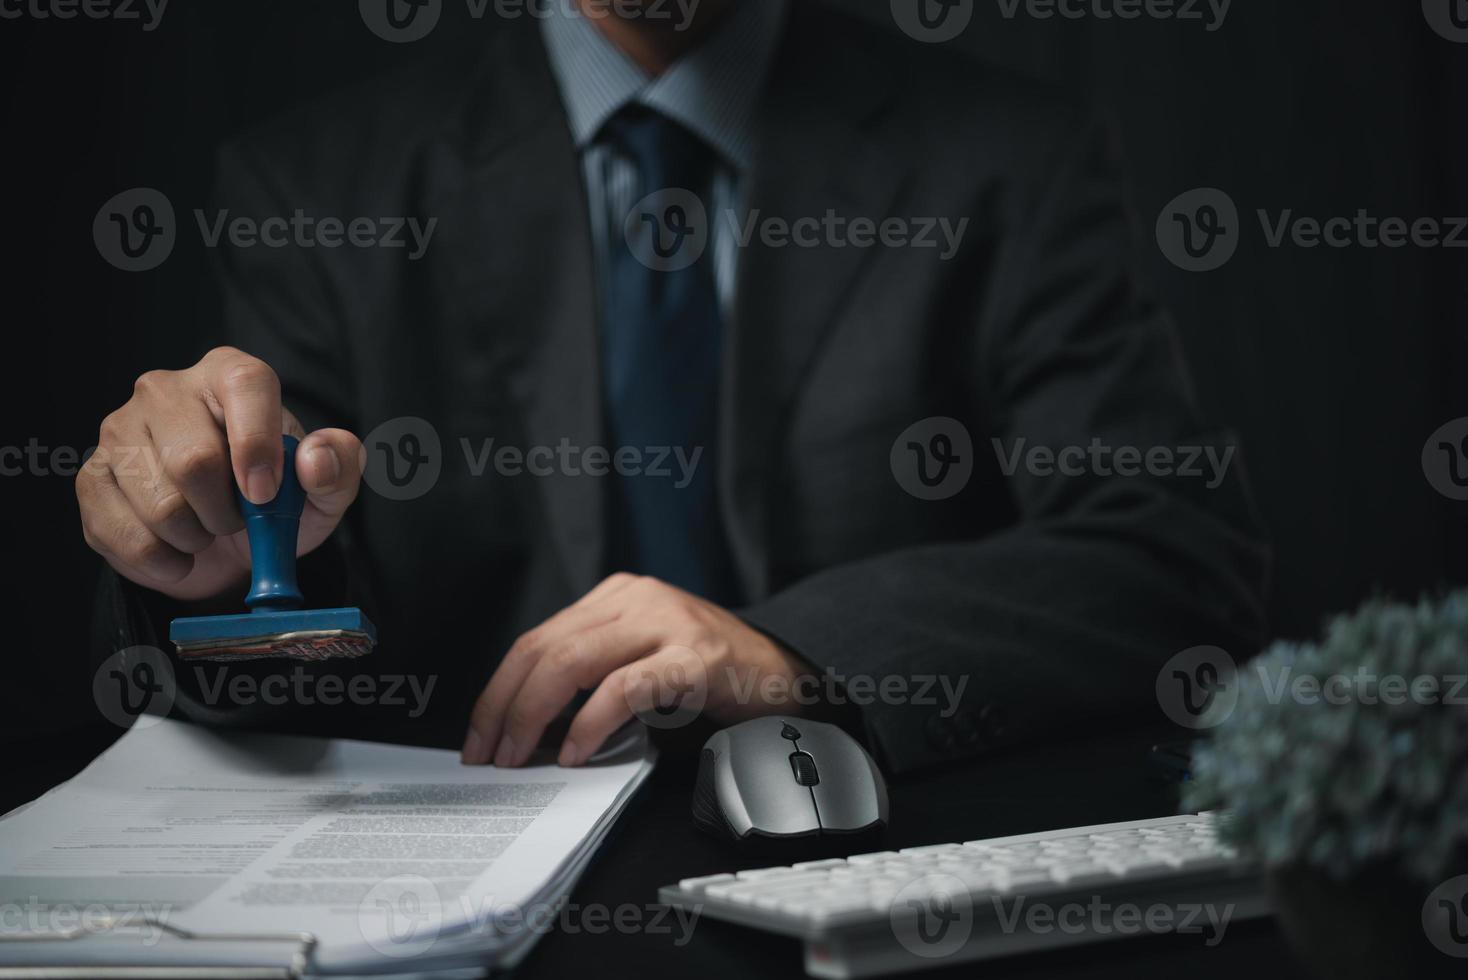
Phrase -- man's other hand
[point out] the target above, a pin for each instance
(632, 641)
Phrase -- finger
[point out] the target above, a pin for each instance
(136, 466)
(487, 718)
(581, 663)
(327, 464)
(628, 692)
(607, 710)
(673, 685)
(195, 459)
(487, 721)
(248, 394)
(113, 530)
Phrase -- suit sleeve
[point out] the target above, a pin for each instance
(1065, 618)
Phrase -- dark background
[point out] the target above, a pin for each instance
(1333, 365)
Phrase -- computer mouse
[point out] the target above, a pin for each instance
(778, 778)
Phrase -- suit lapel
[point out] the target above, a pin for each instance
(514, 275)
(515, 278)
(825, 141)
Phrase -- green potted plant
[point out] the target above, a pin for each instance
(1342, 767)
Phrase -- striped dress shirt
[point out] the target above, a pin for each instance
(712, 91)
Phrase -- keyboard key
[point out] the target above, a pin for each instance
(1135, 865)
(696, 886)
(1082, 875)
(757, 873)
(732, 890)
(1009, 882)
(776, 897)
(1171, 858)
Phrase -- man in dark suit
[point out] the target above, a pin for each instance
(877, 303)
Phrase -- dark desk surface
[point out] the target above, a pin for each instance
(1095, 780)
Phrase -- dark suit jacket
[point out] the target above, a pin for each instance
(1058, 598)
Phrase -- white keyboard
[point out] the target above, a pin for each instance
(942, 904)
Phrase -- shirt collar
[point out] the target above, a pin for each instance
(711, 90)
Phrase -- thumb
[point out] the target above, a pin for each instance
(328, 464)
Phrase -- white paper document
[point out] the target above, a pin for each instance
(185, 845)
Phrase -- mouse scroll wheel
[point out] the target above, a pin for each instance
(803, 764)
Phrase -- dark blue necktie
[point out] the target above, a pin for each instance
(661, 336)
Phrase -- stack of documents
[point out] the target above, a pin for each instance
(190, 850)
